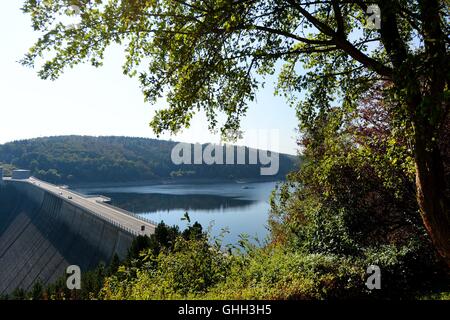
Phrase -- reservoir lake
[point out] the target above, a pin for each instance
(241, 208)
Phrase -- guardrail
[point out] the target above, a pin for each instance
(134, 215)
(86, 196)
(102, 217)
(115, 223)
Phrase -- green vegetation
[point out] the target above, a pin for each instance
(195, 270)
(354, 197)
(83, 159)
(189, 267)
(7, 169)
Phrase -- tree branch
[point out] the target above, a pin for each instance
(291, 35)
(344, 44)
(339, 18)
(390, 35)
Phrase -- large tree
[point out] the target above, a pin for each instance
(213, 55)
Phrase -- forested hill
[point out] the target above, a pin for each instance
(84, 159)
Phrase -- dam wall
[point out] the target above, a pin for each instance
(41, 234)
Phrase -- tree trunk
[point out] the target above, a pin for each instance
(432, 195)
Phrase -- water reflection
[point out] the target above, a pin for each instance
(153, 202)
(240, 208)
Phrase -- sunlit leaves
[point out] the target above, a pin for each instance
(213, 55)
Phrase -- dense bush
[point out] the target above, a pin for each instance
(194, 269)
(354, 197)
(185, 265)
(189, 269)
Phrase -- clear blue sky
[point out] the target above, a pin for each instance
(90, 101)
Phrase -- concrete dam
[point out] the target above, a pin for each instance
(45, 228)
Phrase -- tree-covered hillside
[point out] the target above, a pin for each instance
(81, 159)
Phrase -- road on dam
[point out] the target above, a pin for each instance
(45, 228)
(93, 204)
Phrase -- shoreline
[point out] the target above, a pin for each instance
(169, 182)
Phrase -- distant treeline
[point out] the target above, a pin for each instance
(84, 159)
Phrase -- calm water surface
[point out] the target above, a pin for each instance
(242, 208)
